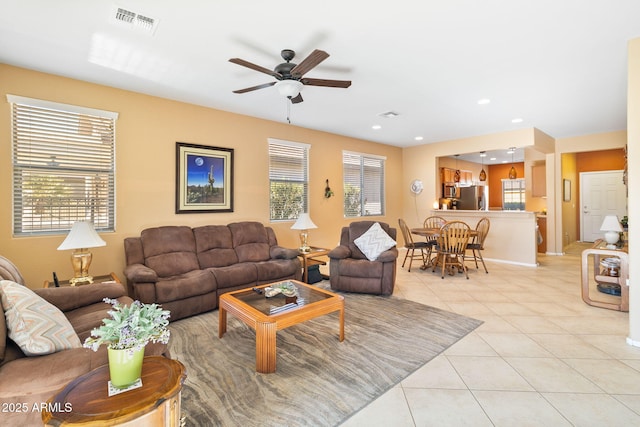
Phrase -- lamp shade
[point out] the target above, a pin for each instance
(82, 235)
(289, 88)
(611, 223)
(303, 223)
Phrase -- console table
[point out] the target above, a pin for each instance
(604, 277)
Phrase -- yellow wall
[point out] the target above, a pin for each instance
(147, 131)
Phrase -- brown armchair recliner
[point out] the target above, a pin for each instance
(351, 271)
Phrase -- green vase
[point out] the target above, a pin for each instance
(125, 368)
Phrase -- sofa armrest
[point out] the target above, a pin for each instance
(389, 255)
(68, 298)
(278, 252)
(138, 273)
(340, 252)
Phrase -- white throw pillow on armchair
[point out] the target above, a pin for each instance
(374, 241)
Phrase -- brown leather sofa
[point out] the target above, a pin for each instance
(351, 271)
(187, 269)
(26, 381)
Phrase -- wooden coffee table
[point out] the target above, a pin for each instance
(86, 401)
(253, 309)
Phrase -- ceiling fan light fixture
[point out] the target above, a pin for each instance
(289, 88)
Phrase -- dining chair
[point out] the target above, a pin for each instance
(477, 244)
(451, 247)
(412, 246)
(435, 222)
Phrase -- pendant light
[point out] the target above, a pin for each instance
(513, 174)
(456, 175)
(483, 174)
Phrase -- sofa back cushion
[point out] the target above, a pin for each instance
(169, 250)
(214, 246)
(250, 241)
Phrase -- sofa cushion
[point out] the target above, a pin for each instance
(193, 283)
(277, 269)
(250, 241)
(374, 241)
(169, 250)
(37, 326)
(235, 275)
(214, 246)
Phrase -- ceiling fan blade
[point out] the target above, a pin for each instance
(249, 89)
(256, 67)
(297, 99)
(329, 83)
(314, 58)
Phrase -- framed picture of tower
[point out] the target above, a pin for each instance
(204, 178)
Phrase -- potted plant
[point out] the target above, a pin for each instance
(129, 329)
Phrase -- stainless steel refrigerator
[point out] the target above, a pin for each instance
(473, 198)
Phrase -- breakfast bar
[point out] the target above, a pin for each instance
(512, 237)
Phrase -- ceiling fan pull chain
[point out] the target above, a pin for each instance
(288, 101)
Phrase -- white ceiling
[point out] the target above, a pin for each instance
(559, 65)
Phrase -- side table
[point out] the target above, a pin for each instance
(86, 400)
(107, 278)
(310, 258)
(605, 279)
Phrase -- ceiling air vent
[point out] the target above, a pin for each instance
(389, 114)
(134, 20)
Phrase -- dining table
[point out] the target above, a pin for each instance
(432, 233)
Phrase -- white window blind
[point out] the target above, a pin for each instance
(363, 177)
(513, 192)
(63, 166)
(288, 179)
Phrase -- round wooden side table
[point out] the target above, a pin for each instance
(85, 401)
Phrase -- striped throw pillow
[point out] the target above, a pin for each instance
(35, 325)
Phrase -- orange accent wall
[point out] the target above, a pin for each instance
(605, 160)
(496, 173)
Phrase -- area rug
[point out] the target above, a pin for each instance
(319, 381)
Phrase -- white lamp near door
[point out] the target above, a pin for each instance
(612, 228)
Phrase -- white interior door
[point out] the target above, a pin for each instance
(601, 194)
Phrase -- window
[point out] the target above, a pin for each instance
(288, 179)
(513, 194)
(63, 166)
(363, 184)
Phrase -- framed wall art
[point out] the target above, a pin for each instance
(566, 190)
(204, 178)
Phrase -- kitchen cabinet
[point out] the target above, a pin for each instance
(539, 181)
(447, 176)
(542, 228)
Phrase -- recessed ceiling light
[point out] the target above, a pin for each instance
(418, 138)
(484, 101)
(517, 120)
(376, 127)
(483, 154)
(492, 159)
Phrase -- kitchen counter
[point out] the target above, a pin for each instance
(512, 236)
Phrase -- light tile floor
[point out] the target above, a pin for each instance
(542, 357)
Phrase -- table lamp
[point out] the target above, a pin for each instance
(81, 237)
(612, 228)
(304, 224)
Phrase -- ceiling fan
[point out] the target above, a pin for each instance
(290, 76)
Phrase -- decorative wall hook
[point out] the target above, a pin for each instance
(327, 190)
